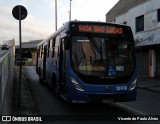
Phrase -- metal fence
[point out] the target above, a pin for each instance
(6, 81)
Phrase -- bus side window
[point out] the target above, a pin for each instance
(42, 52)
(53, 45)
(51, 48)
(48, 49)
(56, 48)
(38, 52)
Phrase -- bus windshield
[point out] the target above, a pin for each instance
(102, 55)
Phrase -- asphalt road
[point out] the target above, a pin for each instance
(46, 103)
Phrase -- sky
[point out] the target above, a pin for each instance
(40, 21)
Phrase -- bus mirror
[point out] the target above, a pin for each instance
(66, 43)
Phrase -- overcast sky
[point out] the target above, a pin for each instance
(40, 21)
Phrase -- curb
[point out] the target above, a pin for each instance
(148, 89)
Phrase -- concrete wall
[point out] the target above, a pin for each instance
(6, 82)
(151, 32)
(34, 56)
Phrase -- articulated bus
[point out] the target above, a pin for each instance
(89, 62)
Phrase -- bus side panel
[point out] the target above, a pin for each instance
(50, 71)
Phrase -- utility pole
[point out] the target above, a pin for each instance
(70, 11)
(55, 14)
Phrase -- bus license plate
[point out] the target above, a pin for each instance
(107, 101)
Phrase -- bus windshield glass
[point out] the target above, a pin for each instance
(102, 55)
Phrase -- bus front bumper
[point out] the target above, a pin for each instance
(88, 97)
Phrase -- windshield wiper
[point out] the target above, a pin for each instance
(94, 43)
(96, 46)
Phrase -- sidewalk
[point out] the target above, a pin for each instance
(26, 103)
(152, 84)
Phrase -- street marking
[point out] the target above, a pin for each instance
(127, 107)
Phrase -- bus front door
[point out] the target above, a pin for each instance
(62, 68)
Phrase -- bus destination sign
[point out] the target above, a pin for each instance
(109, 29)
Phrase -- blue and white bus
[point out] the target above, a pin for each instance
(89, 62)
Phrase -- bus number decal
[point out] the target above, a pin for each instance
(121, 88)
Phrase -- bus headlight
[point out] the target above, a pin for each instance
(76, 84)
(133, 85)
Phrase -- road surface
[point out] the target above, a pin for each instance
(46, 103)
